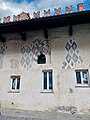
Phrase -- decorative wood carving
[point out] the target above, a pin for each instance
(70, 30)
(80, 7)
(6, 19)
(68, 9)
(23, 36)
(57, 11)
(46, 13)
(2, 39)
(36, 15)
(46, 34)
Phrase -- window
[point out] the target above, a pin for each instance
(15, 83)
(47, 80)
(41, 59)
(82, 77)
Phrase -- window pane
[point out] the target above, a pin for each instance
(78, 76)
(85, 77)
(41, 59)
(18, 83)
(13, 83)
(45, 80)
(50, 80)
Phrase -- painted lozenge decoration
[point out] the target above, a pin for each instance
(72, 58)
(30, 52)
(3, 47)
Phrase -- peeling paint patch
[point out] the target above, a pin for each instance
(70, 109)
(14, 64)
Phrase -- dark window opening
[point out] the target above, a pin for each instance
(41, 59)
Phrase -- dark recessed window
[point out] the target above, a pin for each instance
(15, 82)
(82, 77)
(41, 59)
(47, 83)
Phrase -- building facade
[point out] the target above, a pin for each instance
(47, 71)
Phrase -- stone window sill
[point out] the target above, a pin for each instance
(82, 86)
(47, 91)
(15, 91)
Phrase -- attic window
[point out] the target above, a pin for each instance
(41, 59)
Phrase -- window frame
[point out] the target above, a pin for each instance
(48, 84)
(81, 76)
(16, 77)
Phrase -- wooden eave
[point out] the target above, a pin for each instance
(46, 22)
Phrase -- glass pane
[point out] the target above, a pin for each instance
(13, 83)
(45, 80)
(18, 83)
(78, 76)
(85, 77)
(41, 59)
(50, 80)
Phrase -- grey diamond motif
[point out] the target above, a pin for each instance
(67, 46)
(71, 51)
(27, 60)
(77, 51)
(75, 57)
(28, 49)
(68, 58)
(23, 50)
(72, 64)
(80, 59)
(22, 61)
(74, 46)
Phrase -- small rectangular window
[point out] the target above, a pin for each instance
(47, 80)
(82, 77)
(15, 83)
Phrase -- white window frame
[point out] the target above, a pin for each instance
(81, 75)
(47, 90)
(16, 79)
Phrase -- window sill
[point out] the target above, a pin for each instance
(47, 91)
(87, 86)
(13, 91)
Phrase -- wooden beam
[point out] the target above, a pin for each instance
(2, 39)
(23, 36)
(46, 33)
(70, 30)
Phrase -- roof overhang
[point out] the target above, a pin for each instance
(46, 22)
